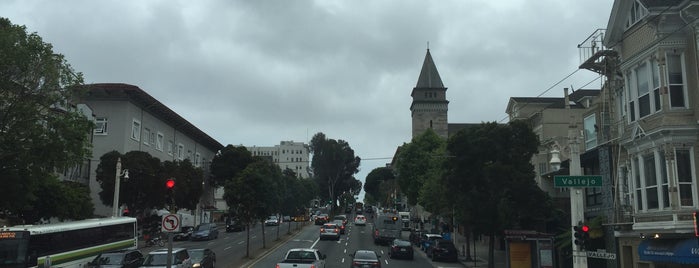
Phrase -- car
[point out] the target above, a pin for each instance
(443, 250)
(401, 249)
(342, 217)
(129, 258)
(360, 220)
(427, 239)
(286, 218)
(330, 231)
(321, 219)
(205, 231)
(348, 210)
(341, 224)
(272, 221)
(234, 225)
(202, 258)
(158, 259)
(184, 234)
(369, 210)
(365, 258)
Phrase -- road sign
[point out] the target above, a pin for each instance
(578, 181)
(601, 255)
(170, 223)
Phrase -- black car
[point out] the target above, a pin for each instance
(365, 258)
(184, 233)
(443, 250)
(233, 225)
(205, 231)
(202, 258)
(121, 258)
(401, 249)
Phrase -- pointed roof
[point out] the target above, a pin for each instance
(429, 77)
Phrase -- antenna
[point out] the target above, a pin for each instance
(428, 45)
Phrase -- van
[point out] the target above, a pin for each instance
(405, 220)
(386, 228)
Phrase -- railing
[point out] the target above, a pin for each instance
(591, 45)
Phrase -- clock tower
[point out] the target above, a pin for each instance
(430, 104)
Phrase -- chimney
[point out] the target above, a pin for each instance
(566, 98)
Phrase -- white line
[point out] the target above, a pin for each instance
(241, 242)
(314, 243)
(227, 248)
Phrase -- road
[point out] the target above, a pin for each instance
(230, 248)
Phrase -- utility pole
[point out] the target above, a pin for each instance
(577, 207)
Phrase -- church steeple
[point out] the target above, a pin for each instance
(430, 104)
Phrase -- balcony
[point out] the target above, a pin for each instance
(597, 58)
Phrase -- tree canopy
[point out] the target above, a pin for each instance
(416, 161)
(334, 165)
(42, 130)
(228, 162)
(372, 185)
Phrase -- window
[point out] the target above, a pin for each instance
(136, 130)
(655, 84)
(146, 135)
(170, 147)
(642, 90)
(180, 151)
(684, 177)
(159, 142)
(590, 126)
(675, 81)
(100, 126)
(593, 196)
(665, 194)
(637, 185)
(637, 12)
(196, 159)
(651, 182)
(151, 140)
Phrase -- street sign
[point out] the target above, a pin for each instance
(170, 223)
(578, 181)
(601, 255)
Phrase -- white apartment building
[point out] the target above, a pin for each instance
(287, 155)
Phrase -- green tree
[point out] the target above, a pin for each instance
(416, 160)
(491, 162)
(252, 194)
(42, 131)
(374, 180)
(188, 182)
(228, 162)
(143, 191)
(334, 165)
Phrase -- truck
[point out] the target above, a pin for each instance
(386, 228)
(405, 220)
(303, 258)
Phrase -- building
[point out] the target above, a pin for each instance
(128, 119)
(647, 138)
(287, 155)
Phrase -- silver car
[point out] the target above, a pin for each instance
(158, 259)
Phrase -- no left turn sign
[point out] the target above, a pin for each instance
(170, 223)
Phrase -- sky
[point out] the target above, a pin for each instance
(256, 73)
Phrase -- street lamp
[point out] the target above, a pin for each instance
(555, 159)
(117, 183)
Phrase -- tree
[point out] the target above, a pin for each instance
(42, 130)
(143, 191)
(253, 194)
(491, 162)
(227, 163)
(333, 164)
(416, 160)
(188, 187)
(374, 180)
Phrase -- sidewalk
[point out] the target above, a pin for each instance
(480, 251)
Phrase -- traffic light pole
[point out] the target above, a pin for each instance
(577, 207)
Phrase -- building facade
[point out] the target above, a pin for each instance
(287, 155)
(128, 119)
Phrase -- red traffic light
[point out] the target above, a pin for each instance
(585, 228)
(170, 183)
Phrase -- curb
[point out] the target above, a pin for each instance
(278, 244)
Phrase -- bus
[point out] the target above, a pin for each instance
(66, 244)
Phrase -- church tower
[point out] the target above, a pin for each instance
(430, 104)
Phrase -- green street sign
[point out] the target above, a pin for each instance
(578, 181)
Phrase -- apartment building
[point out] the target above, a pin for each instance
(287, 155)
(648, 56)
(129, 119)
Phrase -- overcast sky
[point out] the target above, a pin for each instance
(259, 72)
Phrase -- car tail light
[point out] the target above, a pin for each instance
(337, 230)
(322, 230)
(376, 233)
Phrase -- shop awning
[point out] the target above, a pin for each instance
(684, 251)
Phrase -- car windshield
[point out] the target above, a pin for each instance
(109, 258)
(401, 243)
(157, 260)
(202, 228)
(196, 254)
(365, 255)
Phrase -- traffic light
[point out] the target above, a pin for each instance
(582, 234)
(170, 184)
(394, 218)
(125, 213)
(170, 196)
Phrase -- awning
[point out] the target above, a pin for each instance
(684, 251)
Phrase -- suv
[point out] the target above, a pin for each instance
(443, 250)
(205, 231)
(128, 258)
(158, 258)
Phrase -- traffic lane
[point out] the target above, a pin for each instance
(306, 238)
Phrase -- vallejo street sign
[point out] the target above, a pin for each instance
(578, 181)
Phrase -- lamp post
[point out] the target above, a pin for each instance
(117, 184)
(577, 208)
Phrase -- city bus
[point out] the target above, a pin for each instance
(66, 244)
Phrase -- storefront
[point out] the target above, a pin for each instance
(670, 253)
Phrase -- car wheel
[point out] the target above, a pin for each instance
(213, 264)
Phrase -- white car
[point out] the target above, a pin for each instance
(360, 220)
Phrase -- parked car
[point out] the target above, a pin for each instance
(401, 249)
(202, 258)
(330, 231)
(360, 220)
(272, 221)
(427, 239)
(365, 258)
(286, 218)
(205, 231)
(129, 258)
(184, 234)
(443, 250)
(158, 259)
